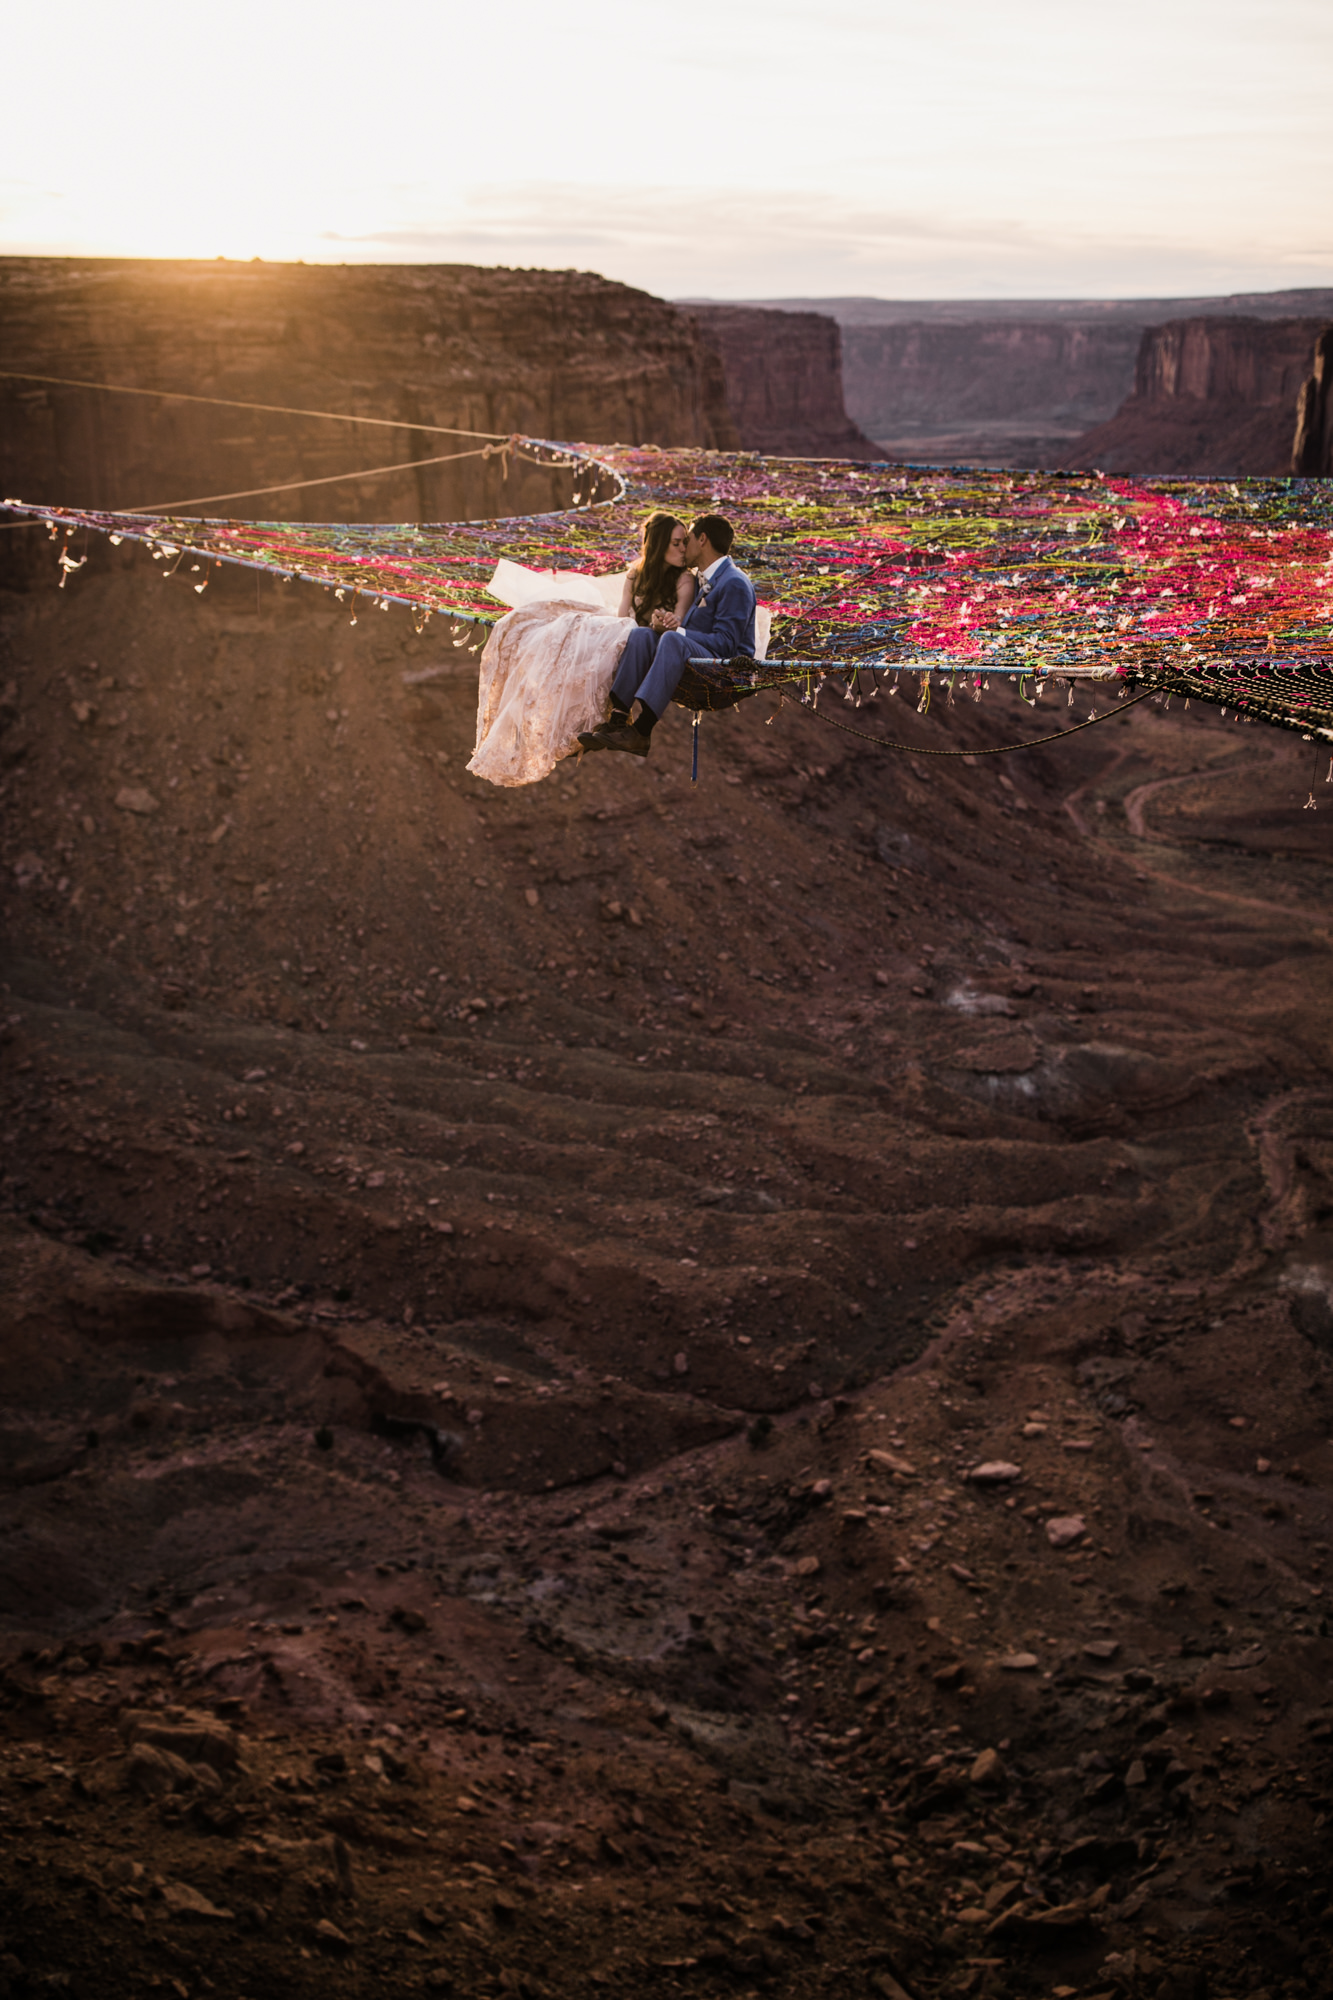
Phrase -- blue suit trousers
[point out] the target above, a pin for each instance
(651, 666)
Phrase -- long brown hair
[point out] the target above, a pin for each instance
(654, 578)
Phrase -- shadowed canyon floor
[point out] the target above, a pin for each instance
(641, 1388)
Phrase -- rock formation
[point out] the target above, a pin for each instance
(633, 1387)
(784, 377)
(560, 354)
(1312, 452)
(1211, 396)
(1004, 390)
(1008, 381)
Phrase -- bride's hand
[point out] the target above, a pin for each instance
(665, 621)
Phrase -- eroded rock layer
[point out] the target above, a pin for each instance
(784, 381)
(1017, 381)
(1312, 450)
(1211, 396)
(561, 354)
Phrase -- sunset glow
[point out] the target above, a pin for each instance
(958, 151)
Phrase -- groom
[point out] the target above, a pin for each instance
(720, 623)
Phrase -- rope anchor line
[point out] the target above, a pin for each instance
(265, 409)
(502, 451)
(497, 444)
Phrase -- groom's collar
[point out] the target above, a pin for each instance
(707, 575)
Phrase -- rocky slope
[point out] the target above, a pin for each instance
(636, 1388)
(784, 377)
(1210, 396)
(560, 354)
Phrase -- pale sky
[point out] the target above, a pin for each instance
(939, 149)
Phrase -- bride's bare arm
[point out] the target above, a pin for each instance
(627, 596)
(671, 621)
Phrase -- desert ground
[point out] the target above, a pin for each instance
(643, 1388)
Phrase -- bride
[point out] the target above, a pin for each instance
(547, 668)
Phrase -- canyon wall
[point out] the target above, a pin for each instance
(558, 354)
(996, 382)
(1211, 396)
(1312, 451)
(784, 377)
(1008, 381)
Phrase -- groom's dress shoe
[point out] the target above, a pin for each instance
(615, 736)
(630, 740)
(595, 739)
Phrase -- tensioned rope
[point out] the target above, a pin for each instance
(495, 442)
(229, 403)
(331, 479)
(996, 749)
(269, 409)
(291, 485)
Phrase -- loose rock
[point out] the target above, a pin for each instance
(988, 1769)
(198, 1739)
(183, 1901)
(134, 799)
(1063, 1530)
(889, 1461)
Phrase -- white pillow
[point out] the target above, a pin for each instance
(515, 585)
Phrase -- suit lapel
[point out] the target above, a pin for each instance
(718, 574)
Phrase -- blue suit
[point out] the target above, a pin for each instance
(720, 622)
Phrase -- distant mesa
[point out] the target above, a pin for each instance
(784, 381)
(556, 354)
(1213, 395)
(559, 354)
(1051, 382)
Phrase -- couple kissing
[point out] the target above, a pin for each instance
(688, 601)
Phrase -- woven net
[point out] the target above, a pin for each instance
(1222, 589)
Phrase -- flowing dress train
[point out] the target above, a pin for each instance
(546, 671)
(546, 674)
(547, 668)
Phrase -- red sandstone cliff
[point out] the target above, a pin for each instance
(1312, 451)
(998, 388)
(1008, 381)
(1211, 396)
(561, 354)
(784, 380)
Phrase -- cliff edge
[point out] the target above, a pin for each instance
(784, 377)
(1211, 396)
(1312, 451)
(559, 354)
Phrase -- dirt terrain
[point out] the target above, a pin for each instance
(635, 1388)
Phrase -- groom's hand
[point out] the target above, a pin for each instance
(665, 621)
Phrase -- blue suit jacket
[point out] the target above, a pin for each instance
(722, 623)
